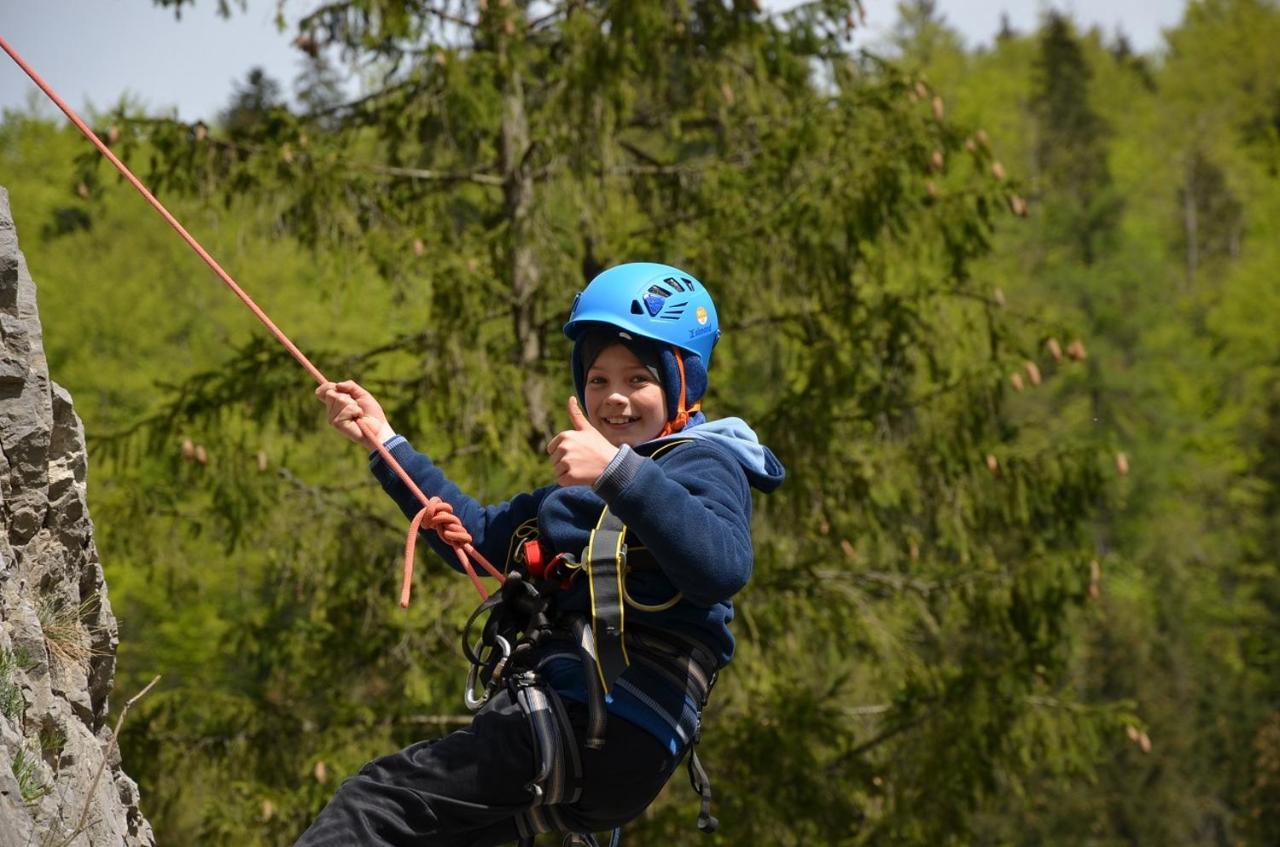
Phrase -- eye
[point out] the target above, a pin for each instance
(595, 380)
(640, 379)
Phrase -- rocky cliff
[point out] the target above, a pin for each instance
(61, 782)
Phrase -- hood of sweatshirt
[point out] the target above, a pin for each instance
(734, 436)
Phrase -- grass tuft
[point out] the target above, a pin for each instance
(26, 769)
(11, 702)
(66, 637)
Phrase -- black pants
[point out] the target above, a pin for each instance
(467, 788)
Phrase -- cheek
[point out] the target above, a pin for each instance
(655, 403)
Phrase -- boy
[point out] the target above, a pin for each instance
(614, 693)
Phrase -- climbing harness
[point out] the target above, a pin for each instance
(525, 616)
(557, 783)
(523, 631)
(435, 513)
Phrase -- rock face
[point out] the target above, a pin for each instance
(60, 777)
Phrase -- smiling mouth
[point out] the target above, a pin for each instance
(619, 420)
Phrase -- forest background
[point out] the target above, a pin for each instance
(1007, 314)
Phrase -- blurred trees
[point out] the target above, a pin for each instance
(1185, 194)
(1019, 586)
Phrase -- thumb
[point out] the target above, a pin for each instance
(580, 422)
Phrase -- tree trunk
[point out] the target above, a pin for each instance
(1191, 223)
(521, 260)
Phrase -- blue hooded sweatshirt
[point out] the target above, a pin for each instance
(689, 507)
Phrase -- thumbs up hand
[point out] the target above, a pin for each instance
(581, 454)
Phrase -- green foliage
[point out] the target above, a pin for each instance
(1182, 627)
(1070, 156)
(971, 621)
(11, 702)
(846, 272)
(26, 769)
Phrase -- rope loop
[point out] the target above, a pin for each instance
(438, 515)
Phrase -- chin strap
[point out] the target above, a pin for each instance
(682, 414)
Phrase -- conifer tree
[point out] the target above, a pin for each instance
(904, 642)
(1071, 155)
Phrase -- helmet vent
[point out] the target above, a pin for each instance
(636, 308)
(673, 312)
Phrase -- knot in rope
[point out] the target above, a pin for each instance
(438, 515)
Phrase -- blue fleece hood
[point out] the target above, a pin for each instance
(736, 437)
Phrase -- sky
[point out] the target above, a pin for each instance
(94, 51)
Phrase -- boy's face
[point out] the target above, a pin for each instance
(624, 401)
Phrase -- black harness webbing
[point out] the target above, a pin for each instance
(605, 562)
(559, 776)
(586, 653)
(684, 662)
(558, 780)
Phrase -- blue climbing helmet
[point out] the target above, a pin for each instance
(665, 316)
(649, 300)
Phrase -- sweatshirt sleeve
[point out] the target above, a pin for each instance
(692, 511)
(491, 527)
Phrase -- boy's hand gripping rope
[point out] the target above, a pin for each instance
(435, 513)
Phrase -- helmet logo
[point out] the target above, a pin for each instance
(701, 314)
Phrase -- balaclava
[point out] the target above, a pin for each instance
(666, 363)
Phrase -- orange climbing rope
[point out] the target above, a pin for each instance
(436, 514)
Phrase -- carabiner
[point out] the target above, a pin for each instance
(469, 696)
